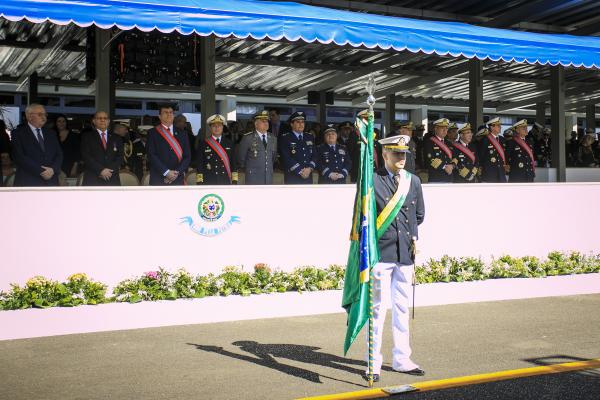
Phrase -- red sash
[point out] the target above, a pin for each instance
(442, 145)
(498, 147)
(217, 148)
(465, 150)
(525, 147)
(174, 144)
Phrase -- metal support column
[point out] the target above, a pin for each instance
(540, 113)
(590, 116)
(32, 88)
(557, 107)
(104, 83)
(208, 103)
(322, 110)
(475, 93)
(390, 114)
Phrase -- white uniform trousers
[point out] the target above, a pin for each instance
(392, 282)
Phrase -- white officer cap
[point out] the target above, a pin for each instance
(441, 122)
(216, 119)
(494, 121)
(398, 143)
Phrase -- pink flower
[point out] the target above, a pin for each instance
(152, 275)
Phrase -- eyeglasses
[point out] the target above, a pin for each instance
(41, 114)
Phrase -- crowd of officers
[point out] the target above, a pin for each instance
(167, 151)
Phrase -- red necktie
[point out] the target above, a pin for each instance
(104, 140)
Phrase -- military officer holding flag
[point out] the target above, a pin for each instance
(215, 159)
(400, 210)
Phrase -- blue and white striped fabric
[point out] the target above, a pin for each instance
(294, 21)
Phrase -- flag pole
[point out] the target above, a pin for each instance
(371, 102)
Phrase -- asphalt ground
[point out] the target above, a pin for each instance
(286, 358)
(582, 385)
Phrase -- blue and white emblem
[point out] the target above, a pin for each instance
(210, 208)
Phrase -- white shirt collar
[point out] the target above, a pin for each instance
(217, 138)
(100, 131)
(262, 134)
(463, 143)
(170, 127)
(33, 129)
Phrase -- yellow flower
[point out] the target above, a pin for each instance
(77, 277)
(37, 281)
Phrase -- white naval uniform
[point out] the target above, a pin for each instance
(392, 282)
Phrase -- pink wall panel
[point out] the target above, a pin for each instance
(113, 234)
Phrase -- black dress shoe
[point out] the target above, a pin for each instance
(415, 372)
(366, 377)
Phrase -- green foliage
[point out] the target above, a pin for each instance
(163, 285)
(40, 292)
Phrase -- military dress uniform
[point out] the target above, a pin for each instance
(520, 158)
(393, 274)
(256, 154)
(332, 159)
(352, 144)
(139, 159)
(464, 156)
(211, 167)
(438, 154)
(411, 165)
(297, 151)
(215, 160)
(492, 156)
(543, 151)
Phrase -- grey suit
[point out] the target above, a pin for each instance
(394, 245)
(256, 160)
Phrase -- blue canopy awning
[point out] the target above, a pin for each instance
(293, 21)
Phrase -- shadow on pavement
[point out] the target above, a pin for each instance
(559, 359)
(265, 355)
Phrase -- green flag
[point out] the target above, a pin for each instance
(363, 252)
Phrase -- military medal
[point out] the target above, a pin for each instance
(493, 159)
(208, 167)
(520, 165)
(293, 151)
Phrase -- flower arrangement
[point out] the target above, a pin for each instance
(164, 285)
(42, 293)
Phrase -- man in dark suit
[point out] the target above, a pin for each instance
(491, 155)
(168, 150)
(102, 153)
(399, 192)
(36, 151)
(216, 163)
(277, 127)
